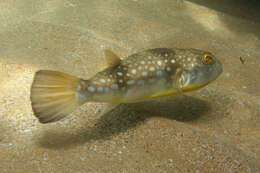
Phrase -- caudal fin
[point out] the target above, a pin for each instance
(53, 95)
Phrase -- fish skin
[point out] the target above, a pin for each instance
(149, 74)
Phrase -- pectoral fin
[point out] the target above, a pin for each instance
(177, 78)
(176, 85)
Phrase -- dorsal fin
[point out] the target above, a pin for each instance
(111, 58)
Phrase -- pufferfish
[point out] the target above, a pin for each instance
(141, 76)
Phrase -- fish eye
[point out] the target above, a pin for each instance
(207, 58)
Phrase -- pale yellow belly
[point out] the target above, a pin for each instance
(141, 97)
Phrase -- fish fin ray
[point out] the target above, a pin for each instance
(53, 95)
(177, 79)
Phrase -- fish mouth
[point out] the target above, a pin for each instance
(196, 81)
(195, 87)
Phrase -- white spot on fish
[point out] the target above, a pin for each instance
(189, 59)
(144, 73)
(173, 61)
(119, 73)
(103, 80)
(159, 73)
(166, 54)
(152, 68)
(142, 62)
(120, 81)
(130, 82)
(114, 86)
(168, 68)
(149, 57)
(166, 60)
(127, 74)
(100, 89)
(140, 68)
(91, 89)
(134, 71)
(109, 80)
(159, 62)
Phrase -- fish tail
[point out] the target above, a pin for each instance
(53, 95)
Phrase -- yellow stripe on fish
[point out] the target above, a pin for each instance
(148, 74)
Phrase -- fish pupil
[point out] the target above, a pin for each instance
(207, 59)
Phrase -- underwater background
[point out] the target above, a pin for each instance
(214, 129)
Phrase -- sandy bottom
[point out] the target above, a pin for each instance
(215, 129)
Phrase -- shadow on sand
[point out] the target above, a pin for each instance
(248, 10)
(128, 116)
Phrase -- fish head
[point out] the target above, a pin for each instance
(199, 69)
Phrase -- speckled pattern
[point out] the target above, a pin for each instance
(215, 129)
(150, 73)
(136, 74)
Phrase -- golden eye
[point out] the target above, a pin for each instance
(207, 58)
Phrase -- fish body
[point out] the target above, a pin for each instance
(149, 74)
(141, 76)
